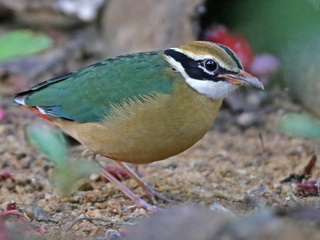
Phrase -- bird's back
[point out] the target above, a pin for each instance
(87, 95)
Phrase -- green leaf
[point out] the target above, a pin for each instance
(53, 144)
(49, 141)
(19, 43)
(65, 176)
(300, 125)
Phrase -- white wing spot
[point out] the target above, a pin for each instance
(41, 110)
(20, 100)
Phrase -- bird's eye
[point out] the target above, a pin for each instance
(210, 65)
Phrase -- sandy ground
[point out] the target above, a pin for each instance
(232, 168)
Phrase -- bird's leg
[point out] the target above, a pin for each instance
(89, 154)
(137, 200)
(150, 193)
(140, 203)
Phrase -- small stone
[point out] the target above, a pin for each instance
(94, 177)
(112, 234)
(47, 195)
(254, 99)
(218, 207)
(139, 212)
(248, 119)
(94, 214)
(85, 186)
(30, 214)
(222, 153)
(91, 197)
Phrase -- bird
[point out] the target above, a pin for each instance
(141, 107)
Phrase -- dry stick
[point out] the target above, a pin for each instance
(307, 170)
(262, 142)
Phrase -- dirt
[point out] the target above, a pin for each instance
(235, 173)
(237, 169)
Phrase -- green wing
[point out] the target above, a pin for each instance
(87, 95)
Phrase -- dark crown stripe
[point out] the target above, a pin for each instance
(231, 54)
(190, 66)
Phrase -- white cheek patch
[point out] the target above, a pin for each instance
(214, 90)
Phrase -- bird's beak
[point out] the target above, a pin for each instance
(242, 78)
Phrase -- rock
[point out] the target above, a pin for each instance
(182, 222)
(85, 10)
(53, 13)
(135, 26)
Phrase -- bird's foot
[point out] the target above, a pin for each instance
(143, 204)
(138, 202)
(89, 154)
(149, 192)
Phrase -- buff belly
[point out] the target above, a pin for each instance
(153, 129)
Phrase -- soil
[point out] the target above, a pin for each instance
(243, 174)
(235, 169)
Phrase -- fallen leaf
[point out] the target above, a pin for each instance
(49, 141)
(18, 43)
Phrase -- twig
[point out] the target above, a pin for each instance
(310, 166)
(262, 142)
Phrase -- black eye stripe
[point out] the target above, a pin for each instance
(192, 68)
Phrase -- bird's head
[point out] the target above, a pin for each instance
(211, 69)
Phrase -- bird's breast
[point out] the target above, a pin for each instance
(154, 128)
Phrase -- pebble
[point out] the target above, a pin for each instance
(112, 234)
(218, 207)
(94, 214)
(247, 119)
(94, 177)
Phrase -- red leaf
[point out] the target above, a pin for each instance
(11, 206)
(5, 175)
(309, 188)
